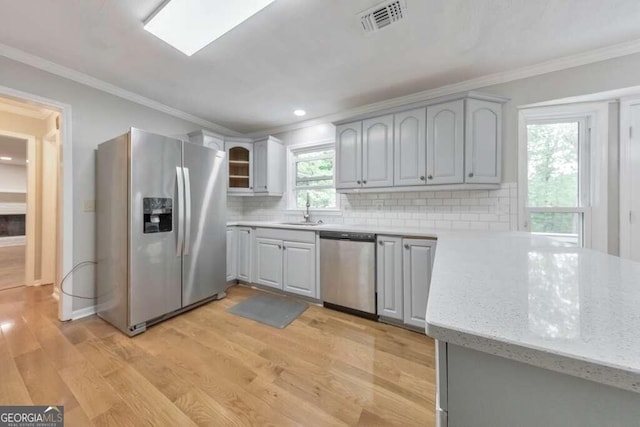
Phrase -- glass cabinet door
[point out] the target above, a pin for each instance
(239, 168)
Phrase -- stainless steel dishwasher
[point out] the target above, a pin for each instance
(348, 272)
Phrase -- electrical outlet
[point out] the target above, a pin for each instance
(89, 206)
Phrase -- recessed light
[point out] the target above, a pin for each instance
(190, 25)
(5, 158)
(299, 113)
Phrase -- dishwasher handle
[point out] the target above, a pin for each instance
(340, 235)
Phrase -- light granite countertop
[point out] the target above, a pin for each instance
(530, 299)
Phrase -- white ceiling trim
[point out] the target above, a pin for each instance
(584, 58)
(68, 73)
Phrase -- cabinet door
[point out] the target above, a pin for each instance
(240, 162)
(389, 277)
(300, 268)
(409, 147)
(445, 143)
(231, 253)
(243, 237)
(261, 159)
(377, 152)
(418, 259)
(349, 155)
(483, 139)
(268, 262)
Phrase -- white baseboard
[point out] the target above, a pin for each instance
(56, 293)
(83, 312)
(12, 241)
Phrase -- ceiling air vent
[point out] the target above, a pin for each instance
(383, 15)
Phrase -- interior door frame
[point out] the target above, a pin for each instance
(64, 248)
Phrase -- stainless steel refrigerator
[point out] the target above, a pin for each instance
(161, 228)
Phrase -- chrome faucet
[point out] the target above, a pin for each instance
(306, 215)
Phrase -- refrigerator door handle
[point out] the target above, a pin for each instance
(187, 201)
(180, 183)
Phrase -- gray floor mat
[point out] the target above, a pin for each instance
(269, 309)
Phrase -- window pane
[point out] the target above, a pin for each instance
(319, 199)
(313, 168)
(552, 153)
(565, 226)
(315, 183)
(314, 154)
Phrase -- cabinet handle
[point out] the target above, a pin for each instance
(381, 243)
(470, 174)
(358, 182)
(265, 187)
(406, 246)
(250, 188)
(284, 248)
(430, 177)
(279, 246)
(422, 178)
(364, 182)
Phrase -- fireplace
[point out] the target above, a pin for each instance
(12, 225)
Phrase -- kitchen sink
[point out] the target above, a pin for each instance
(307, 224)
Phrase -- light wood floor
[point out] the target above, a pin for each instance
(12, 260)
(209, 367)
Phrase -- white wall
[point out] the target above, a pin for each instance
(13, 178)
(96, 117)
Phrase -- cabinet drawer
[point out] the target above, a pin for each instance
(283, 234)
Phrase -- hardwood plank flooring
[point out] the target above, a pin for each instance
(12, 259)
(209, 367)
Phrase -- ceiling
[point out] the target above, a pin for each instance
(311, 54)
(15, 148)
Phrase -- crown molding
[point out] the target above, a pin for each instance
(558, 64)
(85, 79)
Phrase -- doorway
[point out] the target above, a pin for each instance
(13, 202)
(29, 194)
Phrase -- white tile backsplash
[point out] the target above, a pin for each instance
(466, 210)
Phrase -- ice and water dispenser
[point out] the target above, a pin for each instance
(158, 214)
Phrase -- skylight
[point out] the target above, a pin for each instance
(190, 25)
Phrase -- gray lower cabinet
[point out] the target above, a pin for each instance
(268, 262)
(232, 244)
(389, 277)
(418, 260)
(299, 265)
(286, 265)
(243, 263)
(403, 269)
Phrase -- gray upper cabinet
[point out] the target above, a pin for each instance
(451, 144)
(483, 138)
(377, 152)
(269, 167)
(208, 139)
(409, 148)
(445, 143)
(349, 155)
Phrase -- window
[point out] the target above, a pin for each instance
(311, 177)
(557, 177)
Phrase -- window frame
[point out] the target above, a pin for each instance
(292, 188)
(592, 169)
